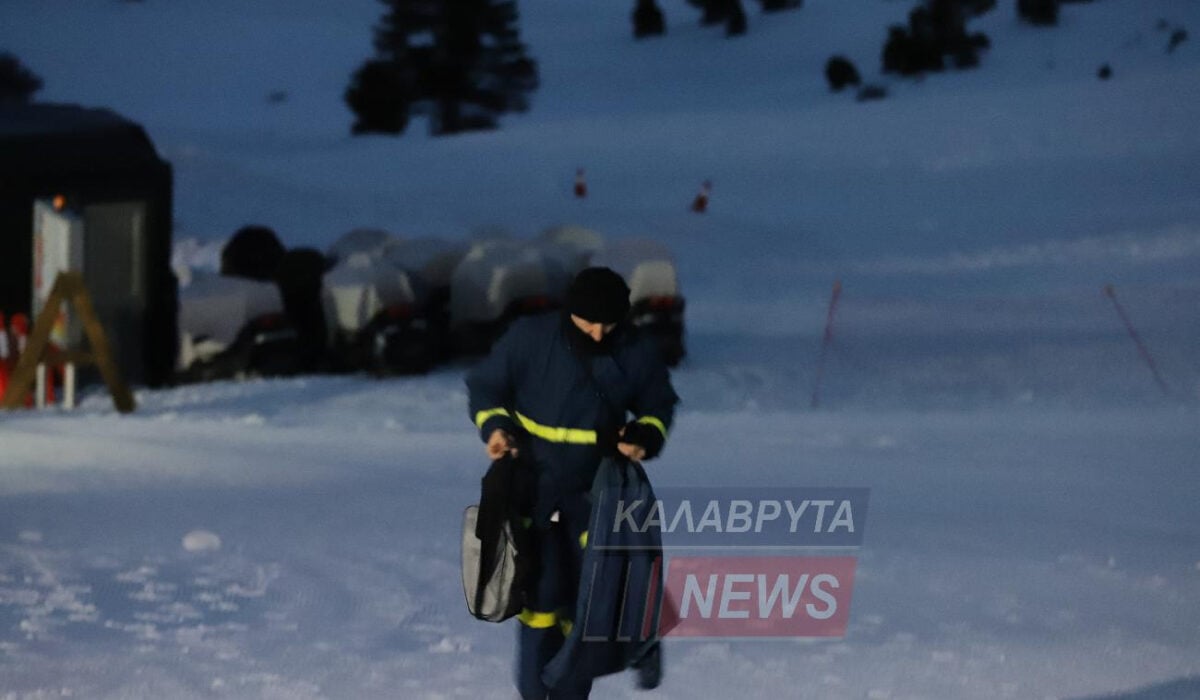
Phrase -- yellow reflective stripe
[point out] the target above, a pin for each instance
(574, 436)
(545, 620)
(583, 540)
(651, 420)
(482, 416)
(537, 620)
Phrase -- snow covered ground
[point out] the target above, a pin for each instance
(1011, 551)
(1033, 530)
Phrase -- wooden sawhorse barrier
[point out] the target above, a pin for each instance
(69, 288)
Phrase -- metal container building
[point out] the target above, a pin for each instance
(103, 169)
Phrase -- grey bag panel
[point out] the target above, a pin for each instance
(489, 593)
(470, 557)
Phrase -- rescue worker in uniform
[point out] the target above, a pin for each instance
(561, 391)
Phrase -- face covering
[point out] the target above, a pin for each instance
(583, 344)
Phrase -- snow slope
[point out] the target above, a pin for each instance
(1032, 529)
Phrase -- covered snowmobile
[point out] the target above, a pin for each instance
(370, 241)
(496, 282)
(431, 261)
(374, 313)
(232, 326)
(572, 246)
(654, 294)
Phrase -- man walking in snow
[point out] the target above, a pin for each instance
(558, 390)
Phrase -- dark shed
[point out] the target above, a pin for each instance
(112, 178)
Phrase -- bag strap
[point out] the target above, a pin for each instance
(495, 492)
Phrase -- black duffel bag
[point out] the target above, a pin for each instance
(498, 556)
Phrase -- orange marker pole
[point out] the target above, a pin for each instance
(700, 203)
(826, 341)
(1111, 293)
(580, 184)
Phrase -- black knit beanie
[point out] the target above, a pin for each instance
(599, 295)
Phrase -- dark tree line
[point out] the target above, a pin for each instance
(648, 17)
(727, 12)
(459, 62)
(1038, 11)
(936, 31)
(17, 83)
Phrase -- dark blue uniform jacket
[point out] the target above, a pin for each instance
(536, 387)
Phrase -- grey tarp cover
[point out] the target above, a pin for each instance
(213, 309)
(371, 241)
(496, 273)
(361, 286)
(572, 245)
(433, 259)
(647, 266)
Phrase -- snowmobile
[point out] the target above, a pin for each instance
(657, 305)
(233, 327)
(375, 316)
(431, 261)
(496, 282)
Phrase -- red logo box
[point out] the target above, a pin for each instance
(772, 596)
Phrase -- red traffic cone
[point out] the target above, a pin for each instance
(700, 203)
(580, 184)
(20, 334)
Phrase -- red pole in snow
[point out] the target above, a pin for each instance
(825, 342)
(580, 184)
(3, 355)
(1111, 293)
(700, 203)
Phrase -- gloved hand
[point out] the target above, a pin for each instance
(639, 441)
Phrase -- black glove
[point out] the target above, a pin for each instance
(645, 436)
(606, 441)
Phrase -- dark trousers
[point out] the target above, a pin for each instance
(560, 556)
(535, 649)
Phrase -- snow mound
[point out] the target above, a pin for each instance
(201, 541)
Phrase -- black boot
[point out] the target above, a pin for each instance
(649, 668)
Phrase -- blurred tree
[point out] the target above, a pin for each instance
(17, 83)
(1038, 11)
(735, 24)
(777, 5)
(648, 20)
(1178, 36)
(729, 12)
(461, 62)
(380, 95)
(712, 11)
(936, 30)
(478, 68)
(840, 72)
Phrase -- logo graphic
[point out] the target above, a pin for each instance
(727, 562)
(780, 596)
